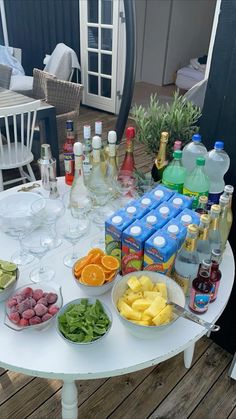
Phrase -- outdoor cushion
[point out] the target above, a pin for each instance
(22, 84)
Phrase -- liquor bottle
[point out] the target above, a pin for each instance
(98, 132)
(187, 260)
(87, 161)
(80, 201)
(202, 205)
(97, 184)
(228, 191)
(223, 222)
(203, 244)
(174, 174)
(177, 145)
(200, 292)
(215, 274)
(126, 173)
(161, 160)
(196, 182)
(47, 165)
(112, 169)
(69, 159)
(214, 232)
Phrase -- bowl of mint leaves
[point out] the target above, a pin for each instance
(84, 321)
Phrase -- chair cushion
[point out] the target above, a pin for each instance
(60, 62)
(22, 84)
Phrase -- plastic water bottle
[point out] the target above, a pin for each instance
(197, 182)
(174, 174)
(217, 164)
(193, 150)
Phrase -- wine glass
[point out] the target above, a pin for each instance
(72, 229)
(48, 211)
(38, 243)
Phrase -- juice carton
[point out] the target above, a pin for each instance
(188, 216)
(148, 201)
(180, 202)
(114, 227)
(167, 211)
(160, 194)
(159, 253)
(176, 230)
(154, 218)
(135, 210)
(133, 240)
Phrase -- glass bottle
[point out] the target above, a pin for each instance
(98, 132)
(187, 260)
(203, 244)
(197, 182)
(215, 274)
(80, 201)
(200, 292)
(87, 161)
(174, 174)
(202, 205)
(214, 232)
(228, 191)
(112, 169)
(126, 173)
(97, 184)
(161, 159)
(223, 222)
(69, 159)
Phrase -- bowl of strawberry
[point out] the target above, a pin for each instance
(33, 306)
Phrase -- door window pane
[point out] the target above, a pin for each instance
(93, 84)
(92, 37)
(106, 65)
(106, 11)
(106, 41)
(105, 87)
(92, 11)
(93, 61)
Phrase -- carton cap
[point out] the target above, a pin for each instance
(117, 219)
(136, 230)
(159, 241)
(151, 219)
(159, 194)
(131, 210)
(173, 229)
(164, 210)
(177, 202)
(186, 219)
(146, 201)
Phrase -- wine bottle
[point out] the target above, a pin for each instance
(161, 159)
(100, 192)
(112, 169)
(87, 161)
(98, 132)
(126, 173)
(69, 159)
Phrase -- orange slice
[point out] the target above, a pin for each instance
(93, 275)
(96, 251)
(110, 263)
(110, 276)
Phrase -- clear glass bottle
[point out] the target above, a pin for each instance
(100, 191)
(196, 182)
(69, 159)
(215, 275)
(228, 191)
(87, 147)
(80, 202)
(223, 222)
(203, 244)
(200, 292)
(174, 174)
(112, 169)
(161, 159)
(214, 232)
(103, 158)
(187, 260)
(202, 205)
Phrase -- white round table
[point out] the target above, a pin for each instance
(45, 354)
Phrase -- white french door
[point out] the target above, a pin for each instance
(102, 53)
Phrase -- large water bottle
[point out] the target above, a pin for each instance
(192, 151)
(217, 164)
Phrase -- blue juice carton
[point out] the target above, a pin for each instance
(181, 202)
(167, 211)
(154, 218)
(176, 231)
(188, 216)
(160, 194)
(114, 227)
(148, 201)
(133, 240)
(159, 253)
(135, 210)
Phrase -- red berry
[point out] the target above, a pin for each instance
(53, 310)
(46, 317)
(35, 320)
(11, 302)
(27, 292)
(43, 301)
(51, 297)
(24, 322)
(15, 318)
(28, 314)
(40, 309)
(37, 294)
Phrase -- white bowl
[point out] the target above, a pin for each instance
(175, 294)
(5, 294)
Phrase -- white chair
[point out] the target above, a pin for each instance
(17, 123)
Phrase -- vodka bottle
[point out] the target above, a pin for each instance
(214, 232)
(69, 159)
(161, 159)
(187, 260)
(223, 222)
(203, 244)
(126, 173)
(174, 174)
(228, 191)
(202, 205)
(98, 132)
(87, 161)
(112, 169)
(100, 191)
(192, 151)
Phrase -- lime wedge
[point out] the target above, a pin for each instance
(8, 266)
(6, 280)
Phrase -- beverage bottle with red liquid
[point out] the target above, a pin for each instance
(202, 205)
(215, 274)
(200, 292)
(126, 173)
(69, 158)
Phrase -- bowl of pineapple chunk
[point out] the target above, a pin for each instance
(140, 300)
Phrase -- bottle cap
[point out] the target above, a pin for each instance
(96, 142)
(131, 210)
(164, 210)
(206, 263)
(186, 219)
(224, 200)
(177, 145)
(135, 230)
(219, 145)
(216, 253)
(197, 138)
(69, 125)
(130, 132)
(173, 229)
(177, 202)
(177, 154)
(117, 219)
(87, 131)
(164, 136)
(205, 218)
(192, 228)
(200, 161)
(229, 189)
(203, 199)
(159, 241)
(78, 149)
(159, 193)
(215, 208)
(46, 153)
(146, 201)
(151, 219)
(112, 137)
(98, 127)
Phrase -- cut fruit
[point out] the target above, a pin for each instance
(110, 263)
(93, 275)
(8, 266)
(6, 280)
(80, 264)
(96, 251)
(110, 276)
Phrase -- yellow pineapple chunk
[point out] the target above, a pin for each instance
(146, 283)
(128, 312)
(161, 286)
(141, 304)
(164, 316)
(134, 284)
(157, 305)
(151, 295)
(141, 322)
(119, 304)
(147, 318)
(132, 296)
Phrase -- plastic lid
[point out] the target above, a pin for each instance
(177, 145)
(159, 193)
(229, 189)
(130, 132)
(96, 142)
(159, 241)
(197, 138)
(98, 127)
(177, 154)
(151, 219)
(131, 210)
(173, 229)
(117, 219)
(146, 201)
(112, 137)
(200, 161)
(177, 202)
(186, 219)
(78, 149)
(219, 145)
(164, 210)
(87, 131)
(136, 230)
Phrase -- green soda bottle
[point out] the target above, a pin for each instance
(174, 174)
(197, 183)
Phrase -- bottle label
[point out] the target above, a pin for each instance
(96, 155)
(190, 244)
(87, 167)
(112, 150)
(198, 301)
(195, 196)
(69, 161)
(178, 187)
(183, 281)
(214, 290)
(214, 224)
(203, 233)
(213, 198)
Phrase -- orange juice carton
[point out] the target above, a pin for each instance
(160, 194)
(181, 202)
(167, 211)
(136, 210)
(159, 253)
(176, 230)
(133, 240)
(114, 227)
(188, 216)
